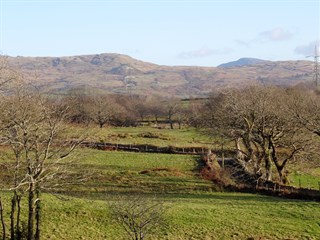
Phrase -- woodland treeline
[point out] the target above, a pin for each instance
(268, 126)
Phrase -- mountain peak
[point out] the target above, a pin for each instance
(243, 62)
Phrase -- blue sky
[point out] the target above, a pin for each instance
(203, 33)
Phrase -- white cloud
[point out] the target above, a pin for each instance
(204, 52)
(275, 35)
(308, 49)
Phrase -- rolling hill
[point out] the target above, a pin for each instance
(116, 73)
(243, 62)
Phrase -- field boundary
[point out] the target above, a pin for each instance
(148, 148)
(246, 182)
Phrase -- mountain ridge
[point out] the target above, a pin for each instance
(117, 73)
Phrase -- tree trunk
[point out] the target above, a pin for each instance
(240, 156)
(38, 216)
(282, 175)
(280, 167)
(171, 123)
(268, 167)
(30, 212)
(12, 215)
(239, 153)
(2, 221)
(18, 230)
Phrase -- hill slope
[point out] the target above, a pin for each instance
(244, 62)
(120, 73)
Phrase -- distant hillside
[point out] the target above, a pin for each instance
(243, 62)
(117, 73)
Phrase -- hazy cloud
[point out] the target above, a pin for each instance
(307, 49)
(275, 35)
(204, 52)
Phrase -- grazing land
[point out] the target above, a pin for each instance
(194, 209)
(186, 137)
(307, 178)
(189, 216)
(127, 172)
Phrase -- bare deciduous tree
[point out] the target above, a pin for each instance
(305, 108)
(171, 108)
(139, 105)
(138, 216)
(156, 108)
(79, 102)
(258, 120)
(31, 125)
(101, 109)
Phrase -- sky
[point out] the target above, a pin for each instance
(176, 32)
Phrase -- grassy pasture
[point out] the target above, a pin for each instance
(186, 137)
(189, 216)
(195, 210)
(305, 180)
(304, 175)
(137, 172)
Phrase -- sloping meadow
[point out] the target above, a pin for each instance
(79, 209)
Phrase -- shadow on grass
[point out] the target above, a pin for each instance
(221, 198)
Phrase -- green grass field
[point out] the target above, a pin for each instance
(194, 209)
(305, 180)
(134, 135)
(305, 176)
(189, 216)
(137, 172)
